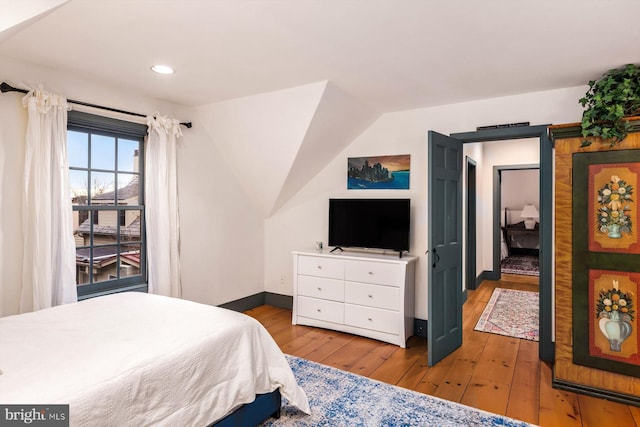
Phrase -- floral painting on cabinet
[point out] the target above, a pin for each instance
(613, 214)
(613, 330)
(606, 260)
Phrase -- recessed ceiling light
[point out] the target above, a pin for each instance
(162, 69)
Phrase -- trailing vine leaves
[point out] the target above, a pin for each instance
(615, 96)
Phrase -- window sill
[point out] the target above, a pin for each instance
(133, 288)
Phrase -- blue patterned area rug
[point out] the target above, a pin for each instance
(511, 313)
(340, 398)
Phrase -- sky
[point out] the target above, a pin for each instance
(103, 156)
(393, 163)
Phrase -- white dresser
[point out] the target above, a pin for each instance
(364, 294)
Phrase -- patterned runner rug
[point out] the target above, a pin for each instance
(511, 313)
(340, 398)
(521, 264)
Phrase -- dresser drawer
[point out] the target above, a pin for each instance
(321, 267)
(319, 287)
(320, 309)
(374, 272)
(379, 296)
(374, 319)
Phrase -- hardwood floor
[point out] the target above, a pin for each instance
(498, 374)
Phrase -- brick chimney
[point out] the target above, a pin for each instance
(136, 160)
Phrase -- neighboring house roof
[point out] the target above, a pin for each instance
(132, 258)
(127, 232)
(98, 252)
(105, 255)
(129, 191)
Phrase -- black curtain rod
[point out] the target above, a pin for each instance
(5, 87)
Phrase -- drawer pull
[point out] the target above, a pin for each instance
(370, 296)
(319, 267)
(319, 288)
(318, 310)
(370, 319)
(371, 273)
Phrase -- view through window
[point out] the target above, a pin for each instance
(108, 210)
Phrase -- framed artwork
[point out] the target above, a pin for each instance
(379, 172)
(606, 261)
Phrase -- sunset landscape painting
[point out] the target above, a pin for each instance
(379, 172)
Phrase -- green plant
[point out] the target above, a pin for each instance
(615, 96)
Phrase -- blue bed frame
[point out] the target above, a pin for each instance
(254, 413)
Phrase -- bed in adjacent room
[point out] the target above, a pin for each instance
(138, 359)
(517, 238)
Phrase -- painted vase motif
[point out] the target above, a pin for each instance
(615, 330)
(614, 231)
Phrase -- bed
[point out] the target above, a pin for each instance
(517, 239)
(135, 359)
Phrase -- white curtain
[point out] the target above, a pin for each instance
(161, 205)
(48, 269)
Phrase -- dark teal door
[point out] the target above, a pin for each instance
(444, 311)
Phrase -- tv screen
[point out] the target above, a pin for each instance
(369, 223)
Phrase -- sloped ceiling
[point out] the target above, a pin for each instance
(338, 119)
(278, 141)
(19, 14)
(352, 60)
(261, 135)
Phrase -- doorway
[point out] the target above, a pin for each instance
(470, 254)
(518, 187)
(546, 347)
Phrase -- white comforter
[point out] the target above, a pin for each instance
(133, 359)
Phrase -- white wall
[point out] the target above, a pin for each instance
(222, 238)
(473, 151)
(221, 230)
(501, 153)
(303, 220)
(519, 188)
(12, 125)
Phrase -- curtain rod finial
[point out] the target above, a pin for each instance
(5, 87)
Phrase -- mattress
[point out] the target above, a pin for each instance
(135, 359)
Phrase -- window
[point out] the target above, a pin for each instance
(106, 182)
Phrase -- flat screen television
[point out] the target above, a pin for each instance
(370, 223)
